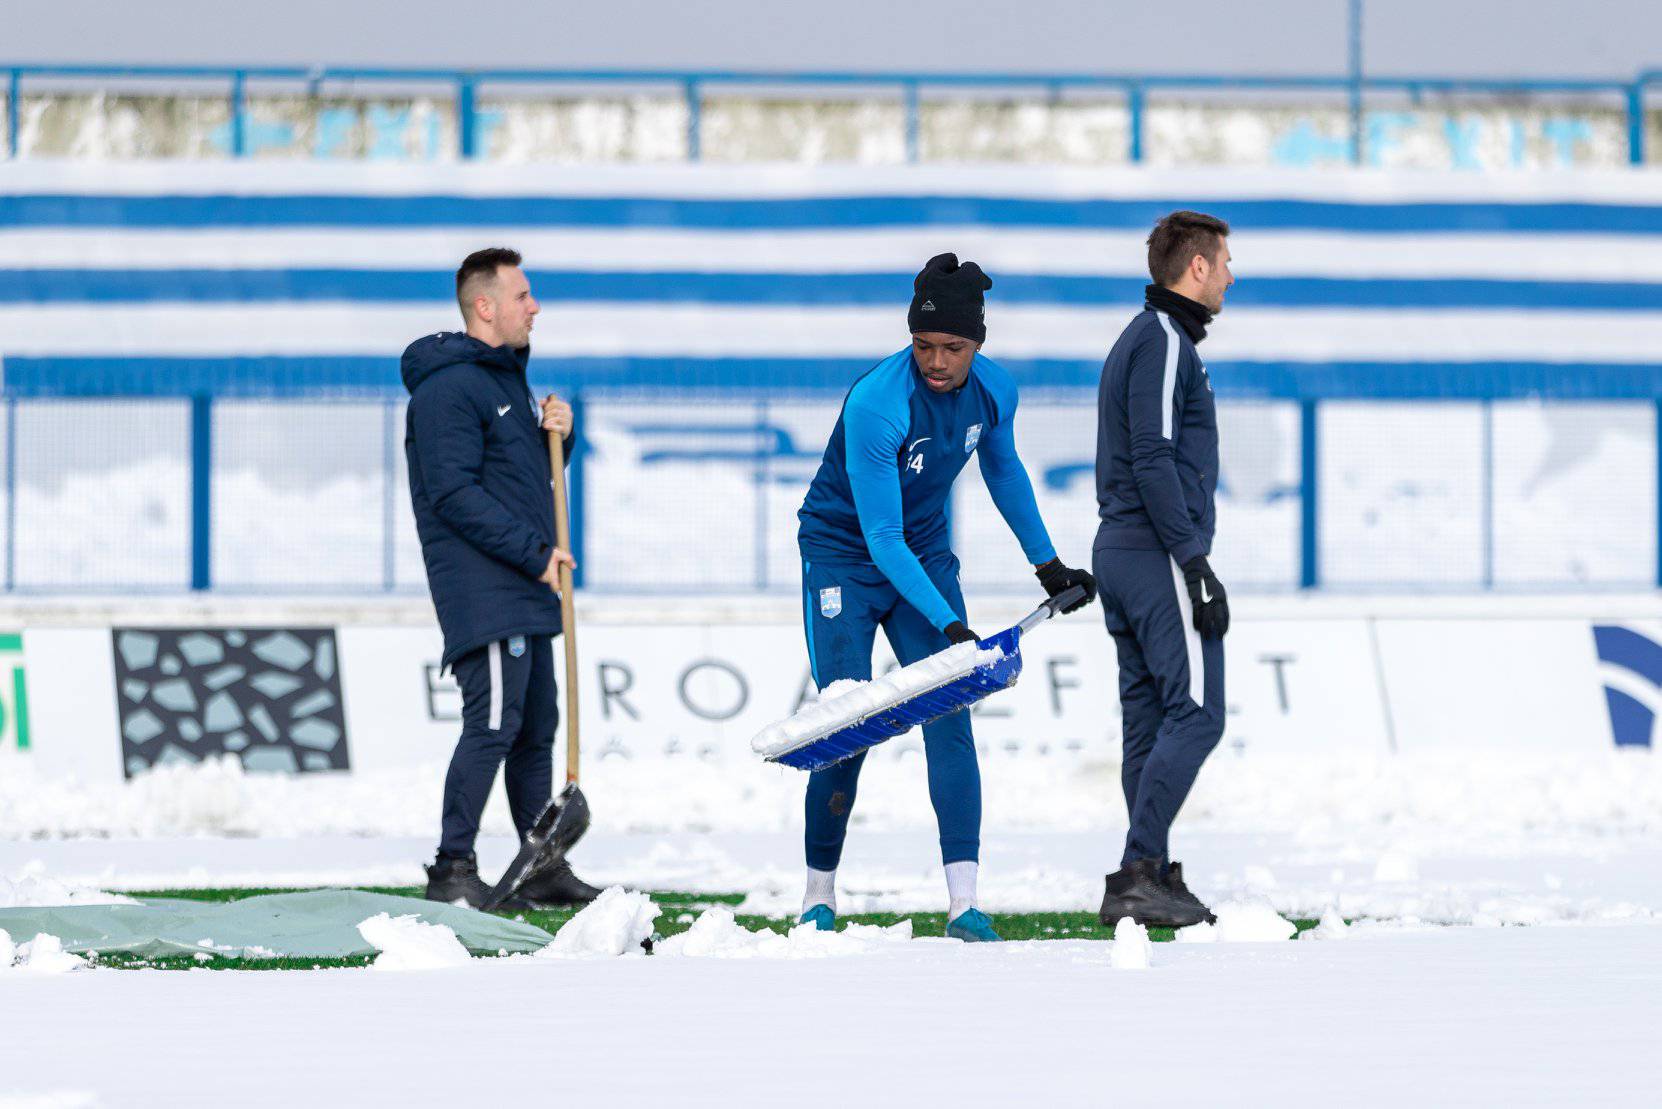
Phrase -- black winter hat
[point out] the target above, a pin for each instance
(947, 297)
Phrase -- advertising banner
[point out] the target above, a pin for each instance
(271, 696)
(703, 691)
(103, 703)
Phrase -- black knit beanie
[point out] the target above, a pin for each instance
(947, 297)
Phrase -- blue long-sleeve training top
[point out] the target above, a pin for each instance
(1157, 442)
(883, 492)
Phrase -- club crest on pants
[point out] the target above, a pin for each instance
(831, 601)
(516, 646)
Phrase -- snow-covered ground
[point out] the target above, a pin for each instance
(1571, 881)
(1525, 1016)
(1456, 838)
(1435, 995)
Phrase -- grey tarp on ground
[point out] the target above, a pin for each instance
(314, 924)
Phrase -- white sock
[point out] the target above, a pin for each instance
(960, 888)
(822, 889)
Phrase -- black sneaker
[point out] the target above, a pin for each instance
(1174, 882)
(1136, 891)
(556, 888)
(451, 880)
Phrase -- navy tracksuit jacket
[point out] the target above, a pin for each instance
(875, 553)
(1156, 472)
(479, 485)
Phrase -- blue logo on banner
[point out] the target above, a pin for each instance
(1631, 721)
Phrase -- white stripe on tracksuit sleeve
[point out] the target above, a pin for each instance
(1154, 385)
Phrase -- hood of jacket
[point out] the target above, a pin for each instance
(432, 353)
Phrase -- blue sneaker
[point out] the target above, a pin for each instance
(973, 926)
(822, 918)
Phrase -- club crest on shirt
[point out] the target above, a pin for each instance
(831, 602)
(972, 437)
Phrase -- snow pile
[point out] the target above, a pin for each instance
(846, 702)
(1396, 866)
(615, 923)
(1242, 922)
(1397, 809)
(1331, 927)
(212, 798)
(837, 689)
(716, 934)
(1484, 903)
(1132, 950)
(31, 888)
(1251, 922)
(409, 943)
(1359, 807)
(45, 955)
(1197, 933)
(42, 955)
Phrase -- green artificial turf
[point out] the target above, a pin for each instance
(680, 909)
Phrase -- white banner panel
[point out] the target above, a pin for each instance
(705, 690)
(1514, 684)
(73, 727)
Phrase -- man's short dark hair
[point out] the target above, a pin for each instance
(1176, 240)
(481, 264)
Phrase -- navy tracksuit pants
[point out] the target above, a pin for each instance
(843, 606)
(1171, 690)
(510, 709)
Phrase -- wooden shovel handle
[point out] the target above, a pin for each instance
(568, 605)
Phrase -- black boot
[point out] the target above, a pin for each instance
(1136, 891)
(451, 880)
(1174, 882)
(557, 888)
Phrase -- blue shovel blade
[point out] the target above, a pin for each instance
(930, 705)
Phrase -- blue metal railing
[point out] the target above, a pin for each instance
(1309, 553)
(201, 491)
(693, 85)
(376, 558)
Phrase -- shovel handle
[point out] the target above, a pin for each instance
(568, 599)
(1052, 606)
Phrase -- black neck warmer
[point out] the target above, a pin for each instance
(1191, 315)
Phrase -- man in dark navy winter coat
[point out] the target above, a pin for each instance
(1156, 472)
(480, 486)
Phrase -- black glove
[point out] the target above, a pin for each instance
(1206, 593)
(1057, 578)
(957, 633)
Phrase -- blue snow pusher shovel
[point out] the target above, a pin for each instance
(840, 727)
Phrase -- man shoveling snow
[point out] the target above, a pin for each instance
(875, 552)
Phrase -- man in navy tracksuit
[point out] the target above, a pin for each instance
(479, 484)
(875, 553)
(1156, 472)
